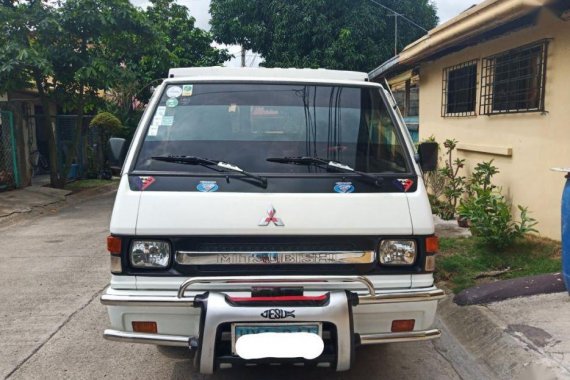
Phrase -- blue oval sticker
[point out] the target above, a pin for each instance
(344, 187)
(207, 186)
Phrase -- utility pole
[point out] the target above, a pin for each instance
(242, 57)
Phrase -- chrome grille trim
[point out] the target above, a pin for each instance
(274, 257)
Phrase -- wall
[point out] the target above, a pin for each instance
(538, 141)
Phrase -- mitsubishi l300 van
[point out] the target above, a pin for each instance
(271, 216)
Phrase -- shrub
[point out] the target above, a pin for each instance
(106, 122)
(445, 185)
(106, 125)
(489, 213)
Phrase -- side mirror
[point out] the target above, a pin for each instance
(117, 148)
(428, 152)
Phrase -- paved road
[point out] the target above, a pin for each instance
(53, 269)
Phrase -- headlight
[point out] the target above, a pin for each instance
(397, 252)
(150, 254)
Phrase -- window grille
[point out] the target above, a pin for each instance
(399, 92)
(513, 81)
(459, 89)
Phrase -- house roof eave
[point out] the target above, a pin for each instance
(474, 21)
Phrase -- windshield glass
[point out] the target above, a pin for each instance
(245, 123)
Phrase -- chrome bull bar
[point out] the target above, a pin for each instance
(217, 311)
(368, 296)
(274, 279)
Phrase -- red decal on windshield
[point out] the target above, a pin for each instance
(406, 184)
(146, 182)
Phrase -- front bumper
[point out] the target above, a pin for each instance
(182, 341)
(369, 312)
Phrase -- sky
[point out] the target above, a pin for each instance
(446, 9)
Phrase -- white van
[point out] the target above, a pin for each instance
(271, 216)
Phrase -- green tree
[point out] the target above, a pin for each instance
(335, 34)
(80, 51)
(177, 43)
(25, 61)
(186, 44)
(98, 45)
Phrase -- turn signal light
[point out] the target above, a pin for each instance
(144, 327)
(430, 263)
(401, 325)
(114, 244)
(432, 244)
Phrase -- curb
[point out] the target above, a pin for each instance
(487, 342)
(505, 289)
(67, 200)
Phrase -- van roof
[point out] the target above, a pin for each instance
(262, 72)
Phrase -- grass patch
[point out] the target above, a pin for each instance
(461, 260)
(82, 184)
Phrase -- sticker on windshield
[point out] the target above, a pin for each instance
(172, 102)
(187, 90)
(153, 130)
(167, 121)
(143, 182)
(160, 111)
(157, 120)
(404, 183)
(207, 186)
(174, 92)
(344, 187)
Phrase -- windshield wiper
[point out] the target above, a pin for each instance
(218, 166)
(328, 164)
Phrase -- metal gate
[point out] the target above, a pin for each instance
(9, 174)
(66, 130)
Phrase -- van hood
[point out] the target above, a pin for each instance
(192, 213)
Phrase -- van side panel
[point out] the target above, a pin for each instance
(125, 209)
(420, 210)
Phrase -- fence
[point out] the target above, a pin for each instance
(65, 133)
(9, 174)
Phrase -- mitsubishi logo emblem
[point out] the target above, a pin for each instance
(271, 218)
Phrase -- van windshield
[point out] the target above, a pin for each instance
(246, 123)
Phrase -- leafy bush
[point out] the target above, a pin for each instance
(106, 122)
(489, 213)
(481, 177)
(106, 125)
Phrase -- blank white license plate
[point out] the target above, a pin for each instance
(240, 329)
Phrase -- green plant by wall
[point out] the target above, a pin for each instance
(481, 177)
(454, 184)
(444, 185)
(489, 213)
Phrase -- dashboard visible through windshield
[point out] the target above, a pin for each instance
(246, 123)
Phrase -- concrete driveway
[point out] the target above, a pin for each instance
(53, 270)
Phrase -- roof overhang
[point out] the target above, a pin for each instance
(467, 26)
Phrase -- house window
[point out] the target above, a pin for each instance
(407, 96)
(513, 81)
(399, 90)
(459, 89)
